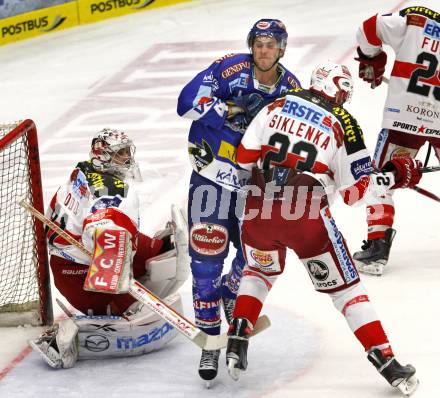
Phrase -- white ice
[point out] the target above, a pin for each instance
(127, 73)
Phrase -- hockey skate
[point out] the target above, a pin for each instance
(236, 351)
(374, 255)
(208, 367)
(400, 377)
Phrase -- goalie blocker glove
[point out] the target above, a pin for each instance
(371, 69)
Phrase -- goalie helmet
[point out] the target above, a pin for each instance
(112, 152)
(333, 82)
(268, 28)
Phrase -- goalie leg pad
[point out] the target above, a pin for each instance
(140, 331)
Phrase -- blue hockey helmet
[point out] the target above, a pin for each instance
(268, 28)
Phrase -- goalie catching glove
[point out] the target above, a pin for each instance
(170, 269)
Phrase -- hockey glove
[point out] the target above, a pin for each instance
(252, 104)
(406, 170)
(372, 69)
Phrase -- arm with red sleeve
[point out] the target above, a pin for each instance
(372, 34)
(353, 171)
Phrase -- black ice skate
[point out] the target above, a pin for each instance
(401, 377)
(374, 255)
(236, 351)
(208, 367)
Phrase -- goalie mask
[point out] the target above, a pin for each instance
(333, 82)
(113, 152)
(268, 28)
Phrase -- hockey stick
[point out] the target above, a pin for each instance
(428, 154)
(145, 296)
(426, 193)
(424, 169)
(429, 169)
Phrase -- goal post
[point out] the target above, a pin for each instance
(25, 296)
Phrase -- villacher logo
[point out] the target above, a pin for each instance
(109, 5)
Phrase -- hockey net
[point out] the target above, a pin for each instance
(24, 272)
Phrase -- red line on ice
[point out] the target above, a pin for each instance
(20, 357)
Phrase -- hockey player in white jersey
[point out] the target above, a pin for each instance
(412, 110)
(99, 199)
(303, 148)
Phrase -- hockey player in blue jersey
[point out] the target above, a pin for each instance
(222, 100)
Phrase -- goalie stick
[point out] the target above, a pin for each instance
(145, 296)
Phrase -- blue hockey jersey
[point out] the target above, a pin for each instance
(213, 139)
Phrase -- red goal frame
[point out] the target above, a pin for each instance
(28, 131)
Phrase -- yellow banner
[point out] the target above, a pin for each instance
(96, 10)
(38, 22)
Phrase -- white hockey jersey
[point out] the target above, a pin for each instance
(89, 200)
(301, 132)
(413, 101)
